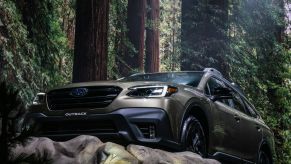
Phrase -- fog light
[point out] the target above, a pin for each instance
(152, 130)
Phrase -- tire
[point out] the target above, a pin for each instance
(194, 138)
(264, 158)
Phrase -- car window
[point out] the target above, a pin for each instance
(236, 102)
(210, 88)
(211, 85)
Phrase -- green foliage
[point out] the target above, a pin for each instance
(119, 46)
(260, 63)
(170, 24)
(16, 51)
(204, 35)
(117, 36)
(33, 46)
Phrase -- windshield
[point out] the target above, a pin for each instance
(185, 78)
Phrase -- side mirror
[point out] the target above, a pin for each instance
(221, 93)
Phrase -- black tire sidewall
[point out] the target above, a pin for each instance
(188, 123)
(264, 154)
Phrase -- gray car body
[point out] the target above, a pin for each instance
(225, 136)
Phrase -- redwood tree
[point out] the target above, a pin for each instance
(152, 36)
(136, 27)
(90, 60)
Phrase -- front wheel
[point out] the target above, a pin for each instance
(263, 158)
(194, 137)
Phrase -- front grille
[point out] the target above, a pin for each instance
(96, 97)
(76, 126)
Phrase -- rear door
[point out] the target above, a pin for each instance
(251, 133)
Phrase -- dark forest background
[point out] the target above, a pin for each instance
(49, 43)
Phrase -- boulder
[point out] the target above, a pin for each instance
(147, 155)
(90, 150)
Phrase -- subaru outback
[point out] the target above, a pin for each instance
(198, 111)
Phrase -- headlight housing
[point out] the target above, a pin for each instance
(151, 91)
(39, 99)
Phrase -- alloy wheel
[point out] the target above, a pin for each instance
(195, 137)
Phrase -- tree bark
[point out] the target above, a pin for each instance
(136, 29)
(90, 58)
(68, 22)
(152, 36)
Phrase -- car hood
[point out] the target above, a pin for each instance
(120, 84)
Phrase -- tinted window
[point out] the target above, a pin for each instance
(186, 78)
(237, 102)
(211, 85)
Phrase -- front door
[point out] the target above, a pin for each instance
(226, 124)
(227, 129)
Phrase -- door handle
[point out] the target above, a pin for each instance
(237, 118)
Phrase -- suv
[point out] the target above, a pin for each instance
(199, 111)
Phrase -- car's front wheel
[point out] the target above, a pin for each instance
(264, 158)
(194, 137)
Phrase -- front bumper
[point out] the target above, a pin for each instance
(147, 126)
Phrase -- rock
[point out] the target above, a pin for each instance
(82, 149)
(118, 154)
(148, 156)
(90, 150)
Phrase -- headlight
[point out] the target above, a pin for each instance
(151, 91)
(39, 99)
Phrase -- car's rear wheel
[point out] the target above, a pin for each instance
(264, 158)
(194, 137)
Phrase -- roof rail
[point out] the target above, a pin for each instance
(213, 70)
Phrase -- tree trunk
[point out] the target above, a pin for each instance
(90, 60)
(152, 36)
(136, 29)
(204, 34)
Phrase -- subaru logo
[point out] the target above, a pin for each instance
(79, 92)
